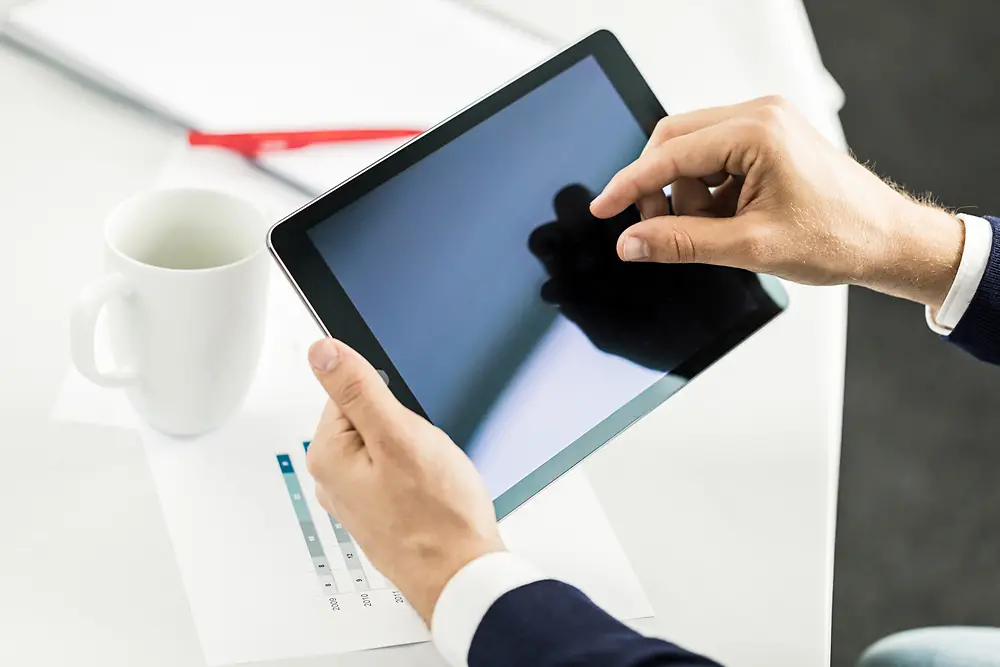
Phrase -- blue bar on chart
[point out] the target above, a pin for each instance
(349, 550)
(319, 559)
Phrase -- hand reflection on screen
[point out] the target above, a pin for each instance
(656, 315)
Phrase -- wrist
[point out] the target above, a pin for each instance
(923, 255)
(424, 577)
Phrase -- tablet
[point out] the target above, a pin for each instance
(467, 268)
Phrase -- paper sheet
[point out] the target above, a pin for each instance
(236, 66)
(259, 587)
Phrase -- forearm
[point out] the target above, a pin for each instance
(949, 263)
(551, 623)
(920, 257)
(497, 613)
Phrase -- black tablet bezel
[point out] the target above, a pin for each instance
(337, 316)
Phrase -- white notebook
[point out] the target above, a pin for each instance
(235, 66)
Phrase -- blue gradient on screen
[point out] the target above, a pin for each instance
(437, 263)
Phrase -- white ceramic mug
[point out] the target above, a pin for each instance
(186, 295)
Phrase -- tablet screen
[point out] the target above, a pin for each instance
(501, 301)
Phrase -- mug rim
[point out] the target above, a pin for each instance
(113, 219)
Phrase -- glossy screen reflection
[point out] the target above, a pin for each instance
(501, 301)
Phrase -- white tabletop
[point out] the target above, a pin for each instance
(724, 498)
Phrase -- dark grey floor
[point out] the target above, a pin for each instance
(918, 538)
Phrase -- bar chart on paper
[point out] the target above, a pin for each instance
(343, 574)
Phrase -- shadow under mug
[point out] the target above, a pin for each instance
(185, 297)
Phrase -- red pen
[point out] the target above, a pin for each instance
(252, 144)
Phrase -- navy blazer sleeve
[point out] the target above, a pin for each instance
(551, 624)
(978, 332)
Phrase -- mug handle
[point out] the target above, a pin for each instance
(83, 327)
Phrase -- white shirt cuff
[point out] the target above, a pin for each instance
(975, 257)
(469, 595)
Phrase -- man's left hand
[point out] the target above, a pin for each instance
(410, 497)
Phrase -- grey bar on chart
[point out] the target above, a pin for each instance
(349, 550)
(319, 560)
(312, 539)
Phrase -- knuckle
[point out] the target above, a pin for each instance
(662, 129)
(668, 159)
(348, 443)
(776, 101)
(341, 424)
(763, 132)
(351, 390)
(332, 422)
(687, 251)
(771, 116)
(678, 247)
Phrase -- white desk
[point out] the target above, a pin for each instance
(724, 498)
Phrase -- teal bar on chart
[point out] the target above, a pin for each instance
(319, 560)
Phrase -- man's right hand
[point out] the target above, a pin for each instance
(787, 203)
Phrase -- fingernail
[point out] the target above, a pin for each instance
(323, 355)
(597, 201)
(634, 249)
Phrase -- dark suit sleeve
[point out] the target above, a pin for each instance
(552, 624)
(978, 332)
